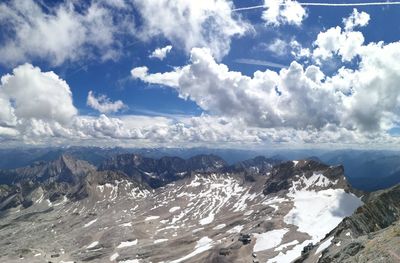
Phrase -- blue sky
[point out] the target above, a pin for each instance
(86, 63)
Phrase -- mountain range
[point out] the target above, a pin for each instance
(133, 208)
(368, 170)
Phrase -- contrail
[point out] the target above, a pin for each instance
(322, 4)
(250, 61)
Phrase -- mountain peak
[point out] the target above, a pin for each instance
(283, 176)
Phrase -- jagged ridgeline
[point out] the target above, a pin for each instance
(137, 209)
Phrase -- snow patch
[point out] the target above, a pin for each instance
(129, 261)
(248, 213)
(40, 199)
(324, 245)
(220, 226)
(235, 229)
(290, 255)
(204, 244)
(269, 239)
(207, 220)
(174, 209)
(114, 256)
(127, 243)
(151, 218)
(197, 230)
(286, 245)
(161, 240)
(90, 223)
(92, 245)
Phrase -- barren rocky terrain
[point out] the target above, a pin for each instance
(255, 211)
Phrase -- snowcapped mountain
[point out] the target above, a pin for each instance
(136, 209)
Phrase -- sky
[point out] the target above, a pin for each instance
(213, 73)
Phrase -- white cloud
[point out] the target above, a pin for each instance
(362, 100)
(281, 47)
(356, 19)
(334, 41)
(168, 78)
(374, 103)
(103, 104)
(298, 51)
(33, 94)
(296, 105)
(188, 24)
(7, 115)
(65, 32)
(161, 53)
(345, 43)
(279, 12)
(291, 98)
(38, 109)
(278, 46)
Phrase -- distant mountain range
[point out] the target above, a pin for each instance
(67, 175)
(365, 169)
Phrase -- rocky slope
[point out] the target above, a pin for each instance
(254, 211)
(371, 234)
(159, 172)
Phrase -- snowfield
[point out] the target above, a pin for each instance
(316, 213)
(269, 239)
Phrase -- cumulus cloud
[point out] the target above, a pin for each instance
(167, 78)
(65, 32)
(104, 104)
(296, 118)
(278, 46)
(291, 98)
(343, 42)
(207, 23)
(364, 99)
(282, 47)
(298, 51)
(280, 12)
(29, 93)
(38, 105)
(161, 53)
(37, 108)
(334, 41)
(374, 101)
(356, 19)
